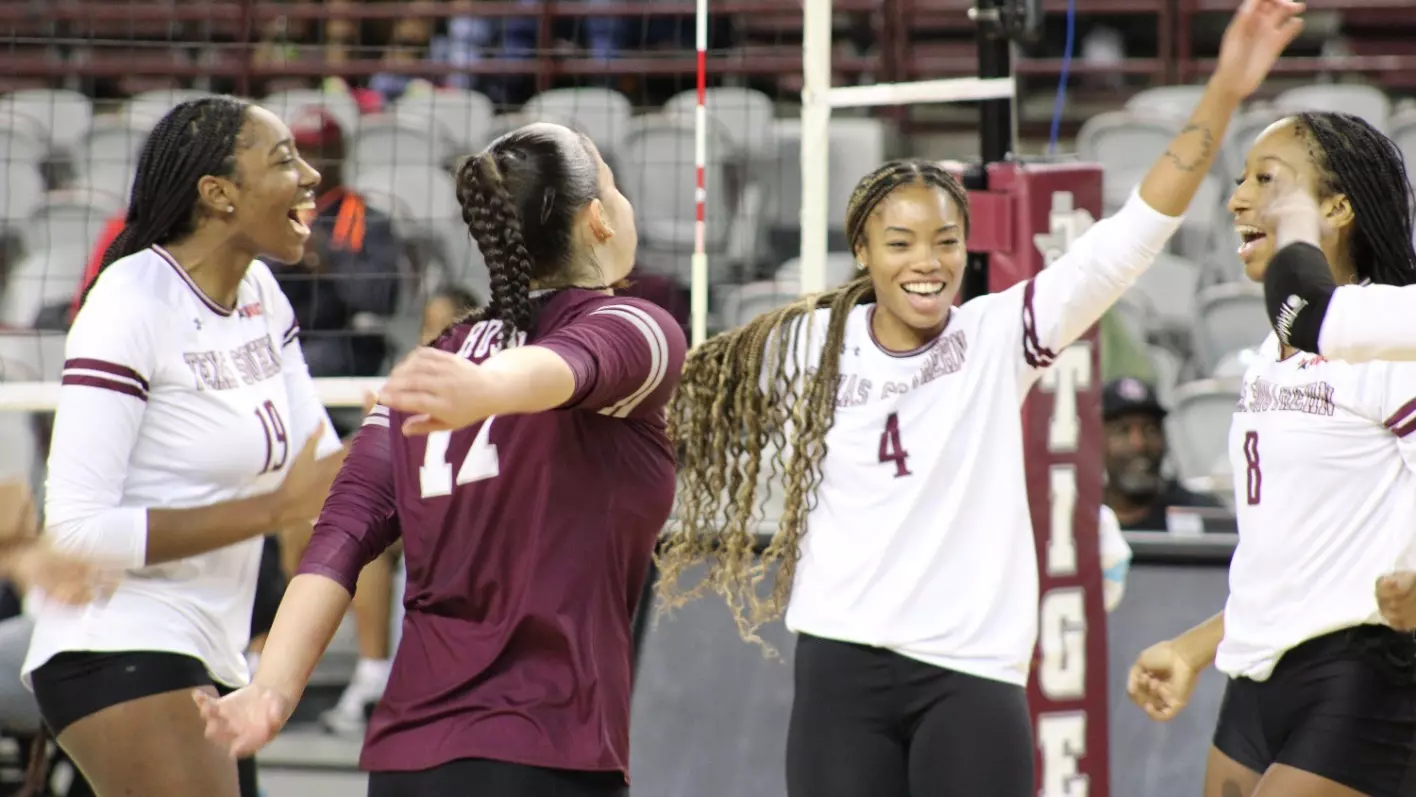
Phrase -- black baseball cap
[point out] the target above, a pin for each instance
(1128, 396)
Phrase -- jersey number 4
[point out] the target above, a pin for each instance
(435, 477)
(890, 448)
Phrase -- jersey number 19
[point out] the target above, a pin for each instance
(435, 477)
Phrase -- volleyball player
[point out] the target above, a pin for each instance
(187, 427)
(905, 557)
(1321, 698)
(373, 594)
(523, 458)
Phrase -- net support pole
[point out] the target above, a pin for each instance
(815, 141)
(698, 286)
(996, 129)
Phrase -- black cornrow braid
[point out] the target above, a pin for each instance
(877, 185)
(197, 138)
(1368, 168)
(491, 215)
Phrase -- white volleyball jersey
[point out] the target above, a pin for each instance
(169, 400)
(1325, 491)
(921, 539)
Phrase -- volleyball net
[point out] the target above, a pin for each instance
(736, 127)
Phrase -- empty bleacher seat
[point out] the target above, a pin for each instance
(602, 114)
(1197, 428)
(465, 116)
(1228, 318)
(1366, 102)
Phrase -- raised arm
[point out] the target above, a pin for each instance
(1072, 294)
(111, 358)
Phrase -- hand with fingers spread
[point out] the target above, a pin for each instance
(302, 494)
(1161, 680)
(439, 391)
(246, 720)
(1257, 35)
(1396, 599)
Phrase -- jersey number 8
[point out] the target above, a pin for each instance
(435, 476)
(890, 448)
(1254, 478)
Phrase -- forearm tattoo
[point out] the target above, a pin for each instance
(1206, 145)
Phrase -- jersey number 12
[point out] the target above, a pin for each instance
(890, 448)
(435, 477)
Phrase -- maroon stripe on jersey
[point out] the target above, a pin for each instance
(1034, 353)
(187, 278)
(86, 380)
(1404, 414)
(290, 334)
(105, 367)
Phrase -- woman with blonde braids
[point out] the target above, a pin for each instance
(904, 558)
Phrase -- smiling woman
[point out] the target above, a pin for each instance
(177, 444)
(904, 557)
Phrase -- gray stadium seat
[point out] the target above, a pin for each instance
(1229, 317)
(746, 116)
(43, 278)
(1197, 429)
(1367, 102)
(153, 105)
(23, 139)
(1125, 144)
(1173, 101)
(466, 116)
(21, 192)
(388, 140)
(603, 114)
(64, 114)
(656, 172)
(286, 104)
(840, 268)
(69, 217)
(107, 156)
(1167, 365)
(742, 303)
(1169, 287)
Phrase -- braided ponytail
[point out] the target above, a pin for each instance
(196, 138)
(520, 198)
(491, 216)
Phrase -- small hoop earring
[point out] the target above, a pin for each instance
(860, 266)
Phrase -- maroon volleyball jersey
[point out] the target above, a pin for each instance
(527, 540)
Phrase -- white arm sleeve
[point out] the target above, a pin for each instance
(110, 359)
(1370, 322)
(1067, 297)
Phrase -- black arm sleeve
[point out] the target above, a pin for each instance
(1297, 288)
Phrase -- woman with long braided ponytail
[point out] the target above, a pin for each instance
(1316, 635)
(187, 428)
(523, 458)
(889, 419)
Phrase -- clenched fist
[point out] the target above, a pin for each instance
(1396, 599)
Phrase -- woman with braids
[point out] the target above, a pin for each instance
(187, 428)
(524, 460)
(1321, 699)
(892, 420)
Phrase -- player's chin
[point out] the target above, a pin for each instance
(1255, 266)
(287, 245)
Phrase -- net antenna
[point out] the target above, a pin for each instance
(1000, 23)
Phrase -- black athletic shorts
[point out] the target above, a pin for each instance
(869, 722)
(1341, 706)
(73, 685)
(487, 778)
